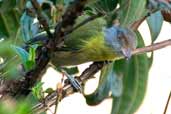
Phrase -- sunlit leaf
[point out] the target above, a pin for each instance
(37, 90)
(30, 63)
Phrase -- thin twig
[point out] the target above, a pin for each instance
(167, 104)
(136, 24)
(68, 89)
(89, 73)
(152, 47)
(41, 18)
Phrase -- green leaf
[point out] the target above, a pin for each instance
(30, 63)
(106, 5)
(109, 81)
(130, 81)
(131, 11)
(28, 59)
(37, 90)
(26, 22)
(23, 107)
(155, 22)
(5, 49)
(9, 23)
(143, 70)
(49, 90)
(10, 60)
(135, 74)
(32, 54)
(69, 70)
(7, 5)
(21, 52)
(9, 18)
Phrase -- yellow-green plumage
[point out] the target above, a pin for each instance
(94, 49)
(91, 43)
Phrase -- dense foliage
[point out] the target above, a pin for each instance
(26, 30)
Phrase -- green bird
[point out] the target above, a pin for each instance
(92, 42)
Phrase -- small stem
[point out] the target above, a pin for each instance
(152, 47)
(167, 104)
(136, 24)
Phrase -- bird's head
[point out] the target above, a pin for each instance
(122, 40)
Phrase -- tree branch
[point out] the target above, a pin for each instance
(89, 73)
(41, 18)
(22, 87)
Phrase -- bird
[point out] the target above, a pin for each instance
(92, 42)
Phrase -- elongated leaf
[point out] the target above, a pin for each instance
(135, 73)
(10, 60)
(9, 18)
(130, 11)
(106, 5)
(26, 22)
(155, 22)
(130, 82)
(9, 23)
(143, 63)
(22, 53)
(109, 81)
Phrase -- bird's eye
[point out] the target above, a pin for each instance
(123, 39)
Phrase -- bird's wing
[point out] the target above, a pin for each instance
(75, 40)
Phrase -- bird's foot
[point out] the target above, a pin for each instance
(73, 81)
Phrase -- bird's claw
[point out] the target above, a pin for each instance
(73, 81)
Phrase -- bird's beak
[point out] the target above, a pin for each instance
(127, 52)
